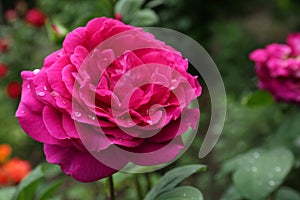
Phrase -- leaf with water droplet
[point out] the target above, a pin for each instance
(258, 184)
(182, 193)
(172, 178)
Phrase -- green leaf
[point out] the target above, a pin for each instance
(182, 193)
(286, 193)
(239, 161)
(48, 191)
(172, 178)
(258, 98)
(127, 8)
(288, 133)
(257, 178)
(146, 17)
(7, 193)
(231, 194)
(50, 171)
(27, 188)
(154, 3)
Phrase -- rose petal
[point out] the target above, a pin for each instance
(80, 165)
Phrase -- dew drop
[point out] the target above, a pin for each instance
(150, 122)
(184, 195)
(28, 86)
(277, 169)
(254, 169)
(41, 94)
(256, 155)
(64, 102)
(270, 175)
(271, 183)
(91, 117)
(36, 71)
(54, 94)
(172, 88)
(173, 81)
(77, 114)
(22, 112)
(45, 88)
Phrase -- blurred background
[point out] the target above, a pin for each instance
(228, 29)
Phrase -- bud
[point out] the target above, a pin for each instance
(35, 17)
(118, 16)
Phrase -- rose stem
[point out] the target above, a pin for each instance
(111, 188)
(138, 187)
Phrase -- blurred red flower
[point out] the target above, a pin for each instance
(35, 17)
(3, 70)
(13, 90)
(17, 169)
(14, 171)
(3, 45)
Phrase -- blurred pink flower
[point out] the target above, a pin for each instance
(278, 69)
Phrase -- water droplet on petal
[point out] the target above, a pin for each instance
(129, 122)
(91, 117)
(173, 81)
(277, 169)
(28, 86)
(271, 183)
(150, 122)
(22, 112)
(77, 114)
(45, 88)
(54, 94)
(36, 71)
(172, 88)
(41, 94)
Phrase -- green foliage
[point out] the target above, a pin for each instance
(173, 178)
(181, 193)
(258, 98)
(133, 14)
(257, 173)
(286, 193)
(33, 186)
(258, 177)
(27, 188)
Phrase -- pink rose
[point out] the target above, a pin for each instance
(35, 17)
(110, 86)
(278, 69)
